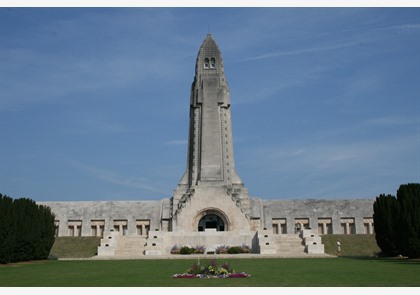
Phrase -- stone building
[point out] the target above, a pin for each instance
(210, 205)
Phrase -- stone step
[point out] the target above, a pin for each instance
(289, 245)
(130, 246)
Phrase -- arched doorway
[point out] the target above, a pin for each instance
(212, 219)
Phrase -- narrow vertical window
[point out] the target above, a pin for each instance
(212, 63)
(206, 63)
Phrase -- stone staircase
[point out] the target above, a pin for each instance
(115, 245)
(289, 245)
(130, 246)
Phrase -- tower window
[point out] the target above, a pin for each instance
(206, 63)
(212, 63)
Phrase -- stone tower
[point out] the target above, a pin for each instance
(210, 193)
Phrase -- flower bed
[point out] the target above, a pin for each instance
(203, 276)
(185, 250)
(211, 271)
(222, 249)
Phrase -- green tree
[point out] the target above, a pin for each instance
(384, 220)
(26, 230)
(408, 197)
(7, 237)
(397, 221)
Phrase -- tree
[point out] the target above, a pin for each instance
(26, 230)
(408, 197)
(7, 236)
(384, 220)
(397, 221)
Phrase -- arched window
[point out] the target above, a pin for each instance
(212, 63)
(206, 63)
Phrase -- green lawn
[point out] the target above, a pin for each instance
(75, 247)
(303, 272)
(351, 245)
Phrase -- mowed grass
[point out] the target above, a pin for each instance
(298, 272)
(351, 245)
(75, 247)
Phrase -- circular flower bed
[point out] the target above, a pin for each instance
(203, 276)
(211, 271)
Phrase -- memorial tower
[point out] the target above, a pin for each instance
(210, 185)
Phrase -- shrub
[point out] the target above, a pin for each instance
(175, 250)
(186, 250)
(245, 248)
(195, 269)
(199, 249)
(222, 249)
(234, 250)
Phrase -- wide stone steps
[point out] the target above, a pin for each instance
(289, 245)
(130, 246)
(281, 245)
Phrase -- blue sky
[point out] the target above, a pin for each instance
(95, 101)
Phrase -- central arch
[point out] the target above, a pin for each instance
(212, 218)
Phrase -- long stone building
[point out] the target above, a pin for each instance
(210, 205)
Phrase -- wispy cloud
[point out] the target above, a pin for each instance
(116, 178)
(335, 169)
(276, 85)
(343, 39)
(177, 142)
(52, 78)
(393, 121)
(304, 51)
(95, 123)
(408, 28)
(67, 59)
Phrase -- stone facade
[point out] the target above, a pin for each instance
(95, 218)
(210, 205)
(352, 216)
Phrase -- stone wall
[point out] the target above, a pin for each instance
(85, 215)
(337, 215)
(281, 216)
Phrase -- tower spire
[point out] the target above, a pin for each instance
(210, 149)
(210, 177)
